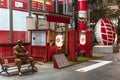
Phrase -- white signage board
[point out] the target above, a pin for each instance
(30, 23)
(59, 40)
(82, 38)
(39, 38)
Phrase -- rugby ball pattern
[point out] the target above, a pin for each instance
(105, 32)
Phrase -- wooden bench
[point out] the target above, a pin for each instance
(7, 62)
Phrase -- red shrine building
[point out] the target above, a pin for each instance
(39, 22)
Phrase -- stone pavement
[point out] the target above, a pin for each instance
(43, 69)
(47, 72)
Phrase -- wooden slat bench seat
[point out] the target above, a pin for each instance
(7, 62)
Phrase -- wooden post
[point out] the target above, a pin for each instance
(66, 38)
(36, 21)
(48, 34)
(55, 30)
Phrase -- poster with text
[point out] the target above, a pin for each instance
(38, 5)
(20, 5)
(3, 3)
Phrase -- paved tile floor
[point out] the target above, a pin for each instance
(47, 72)
(27, 74)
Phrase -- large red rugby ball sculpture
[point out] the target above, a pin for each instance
(105, 32)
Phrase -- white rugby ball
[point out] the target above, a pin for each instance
(105, 32)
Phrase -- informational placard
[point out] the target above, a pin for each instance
(20, 5)
(61, 60)
(43, 24)
(3, 3)
(39, 38)
(30, 23)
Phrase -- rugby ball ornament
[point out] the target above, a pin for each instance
(105, 32)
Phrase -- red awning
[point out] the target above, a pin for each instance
(58, 18)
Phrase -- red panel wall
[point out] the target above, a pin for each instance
(89, 44)
(52, 51)
(39, 53)
(6, 49)
(5, 36)
(73, 45)
(20, 35)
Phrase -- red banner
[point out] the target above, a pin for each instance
(3, 3)
(20, 5)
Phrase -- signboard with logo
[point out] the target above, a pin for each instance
(82, 38)
(59, 40)
(60, 61)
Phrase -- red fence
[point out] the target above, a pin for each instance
(17, 35)
(39, 53)
(7, 49)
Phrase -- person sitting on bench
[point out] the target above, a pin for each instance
(22, 56)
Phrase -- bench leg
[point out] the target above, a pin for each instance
(34, 67)
(4, 69)
(29, 67)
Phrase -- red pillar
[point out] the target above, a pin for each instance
(82, 28)
(89, 41)
(72, 45)
(82, 13)
(82, 25)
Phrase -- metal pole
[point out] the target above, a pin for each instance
(118, 14)
(11, 21)
(88, 18)
(75, 8)
(29, 8)
(64, 6)
(44, 7)
(67, 6)
(118, 28)
(56, 6)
